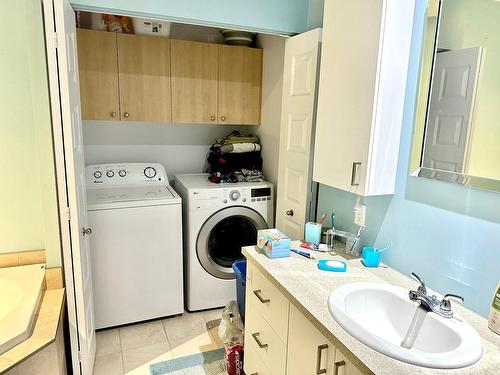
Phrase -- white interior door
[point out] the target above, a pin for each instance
(65, 102)
(451, 109)
(296, 134)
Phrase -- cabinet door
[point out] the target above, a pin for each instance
(348, 79)
(98, 67)
(144, 74)
(194, 82)
(309, 352)
(240, 84)
(342, 366)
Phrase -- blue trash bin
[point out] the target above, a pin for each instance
(240, 269)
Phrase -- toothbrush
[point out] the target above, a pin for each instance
(303, 253)
(389, 244)
(322, 218)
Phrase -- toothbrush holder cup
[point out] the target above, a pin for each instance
(370, 257)
(313, 233)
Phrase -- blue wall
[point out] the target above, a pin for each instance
(447, 234)
(275, 16)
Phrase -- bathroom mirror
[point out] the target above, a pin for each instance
(457, 125)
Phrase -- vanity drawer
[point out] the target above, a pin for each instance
(263, 340)
(264, 297)
(252, 365)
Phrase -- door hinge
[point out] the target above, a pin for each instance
(68, 214)
(55, 40)
(80, 356)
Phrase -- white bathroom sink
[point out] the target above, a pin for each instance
(379, 316)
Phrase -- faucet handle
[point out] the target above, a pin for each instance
(422, 289)
(445, 305)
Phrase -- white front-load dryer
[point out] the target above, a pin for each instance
(218, 220)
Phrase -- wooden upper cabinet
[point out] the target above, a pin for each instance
(144, 76)
(240, 84)
(98, 75)
(194, 82)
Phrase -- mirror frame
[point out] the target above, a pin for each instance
(477, 182)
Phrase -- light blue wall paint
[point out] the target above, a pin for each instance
(448, 234)
(276, 16)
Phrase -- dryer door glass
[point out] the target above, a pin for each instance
(227, 238)
(223, 235)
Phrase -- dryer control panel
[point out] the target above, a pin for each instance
(125, 174)
(231, 195)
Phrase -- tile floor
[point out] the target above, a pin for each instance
(131, 349)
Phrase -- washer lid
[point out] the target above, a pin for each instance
(130, 197)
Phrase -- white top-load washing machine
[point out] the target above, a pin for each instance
(136, 243)
(218, 220)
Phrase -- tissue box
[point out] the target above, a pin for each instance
(273, 243)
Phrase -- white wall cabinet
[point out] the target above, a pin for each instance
(364, 65)
(280, 340)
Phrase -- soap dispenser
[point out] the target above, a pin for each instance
(494, 318)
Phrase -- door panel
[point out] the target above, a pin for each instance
(297, 127)
(144, 77)
(308, 350)
(97, 60)
(70, 114)
(194, 82)
(240, 85)
(451, 109)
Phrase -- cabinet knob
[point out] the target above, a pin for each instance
(113, 114)
(212, 118)
(126, 115)
(223, 118)
(289, 213)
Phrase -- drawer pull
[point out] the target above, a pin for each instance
(338, 365)
(256, 338)
(258, 293)
(320, 370)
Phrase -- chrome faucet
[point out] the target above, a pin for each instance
(432, 303)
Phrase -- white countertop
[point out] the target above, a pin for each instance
(308, 288)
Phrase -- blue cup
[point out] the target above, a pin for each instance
(313, 233)
(370, 257)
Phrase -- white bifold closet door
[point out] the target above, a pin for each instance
(60, 29)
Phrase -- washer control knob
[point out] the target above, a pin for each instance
(110, 174)
(149, 172)
(234, 195)
(122, 173)
(244, 199)
(97, 174)
(225, 200)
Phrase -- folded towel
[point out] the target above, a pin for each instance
(236, 137)
(239, 148)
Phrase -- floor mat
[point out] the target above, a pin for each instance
(207, 363)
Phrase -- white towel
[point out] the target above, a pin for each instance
(239, 148)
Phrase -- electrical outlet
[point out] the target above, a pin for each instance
(359, 214)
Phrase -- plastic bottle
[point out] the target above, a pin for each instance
(494, 318)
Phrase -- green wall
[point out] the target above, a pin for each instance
(28, 199)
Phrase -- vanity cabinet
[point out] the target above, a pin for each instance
(280, 340)
(143, 78)
(124, 77)
(364, 66)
